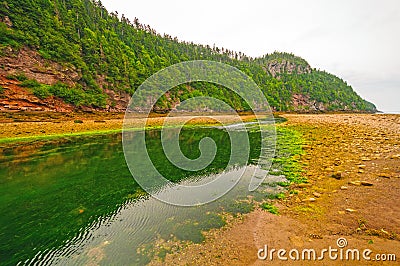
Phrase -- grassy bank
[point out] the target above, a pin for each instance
(289, 149)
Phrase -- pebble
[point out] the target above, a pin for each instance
(343, 188)
(303, 185)
(310, 200)
(385, 232)
(350, 210)
(384, 175)
(366, 183)
(316, 194)
(355, 183)
(337, 175)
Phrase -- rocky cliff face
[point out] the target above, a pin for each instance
(117, 101)
(304, 103)
(275, 67)
(32, 65)
(16, 98)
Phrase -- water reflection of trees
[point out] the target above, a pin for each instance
(51, 190)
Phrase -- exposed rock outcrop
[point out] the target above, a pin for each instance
(31, 64)
(304, 103)
(118, 101)
(34, 66)
(6, 20)
(16, 98)
(275, 67)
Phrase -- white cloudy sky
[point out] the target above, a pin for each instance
(358, 40)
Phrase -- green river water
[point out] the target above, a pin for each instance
(73, 201)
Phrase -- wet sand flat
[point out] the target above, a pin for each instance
(352, 163)
(43, 125)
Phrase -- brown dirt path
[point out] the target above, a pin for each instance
(352, 163)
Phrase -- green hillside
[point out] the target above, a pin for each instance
(109, 53)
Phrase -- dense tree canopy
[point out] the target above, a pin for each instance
(112, 52)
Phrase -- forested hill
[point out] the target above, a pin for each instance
(73, 54)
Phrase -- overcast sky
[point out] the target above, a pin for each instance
(357, 40)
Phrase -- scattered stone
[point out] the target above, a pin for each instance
(316, 194)
(360, 171)
(315, 236)
(350, 210)
(355, 183)
(309, 200)
(343, 188)
(362, 166)
(384, 175)
(337, 175)
(397, 156)
(366, 183)
(365, 159)
(305, 185)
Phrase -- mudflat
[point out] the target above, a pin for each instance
(352, 163)
(20, 126)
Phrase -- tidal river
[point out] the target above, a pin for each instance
(74, 202)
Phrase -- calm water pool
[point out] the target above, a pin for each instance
(73, 201)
